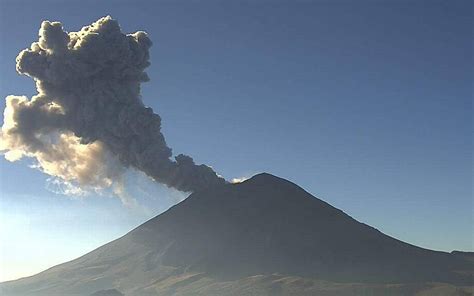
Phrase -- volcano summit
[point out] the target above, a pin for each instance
(264, 236)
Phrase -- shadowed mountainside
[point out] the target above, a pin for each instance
(265, 236)
(109, 292)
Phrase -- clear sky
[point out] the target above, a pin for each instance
(365, 104)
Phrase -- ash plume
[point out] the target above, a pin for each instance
(88, 123)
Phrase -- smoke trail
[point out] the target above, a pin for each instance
(87, 122)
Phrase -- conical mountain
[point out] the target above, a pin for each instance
(264, 236)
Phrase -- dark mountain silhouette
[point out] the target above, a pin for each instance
(265, 236)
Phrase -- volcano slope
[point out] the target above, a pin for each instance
(264, 236)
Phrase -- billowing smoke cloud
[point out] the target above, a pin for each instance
(87, 122)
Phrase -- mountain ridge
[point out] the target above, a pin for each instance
(265, 226)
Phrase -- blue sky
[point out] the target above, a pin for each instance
(366, 105)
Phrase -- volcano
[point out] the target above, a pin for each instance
(264, 236)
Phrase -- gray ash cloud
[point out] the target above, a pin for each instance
(88, 121)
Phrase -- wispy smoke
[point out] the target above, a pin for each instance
(239, 180)
(87, 122)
